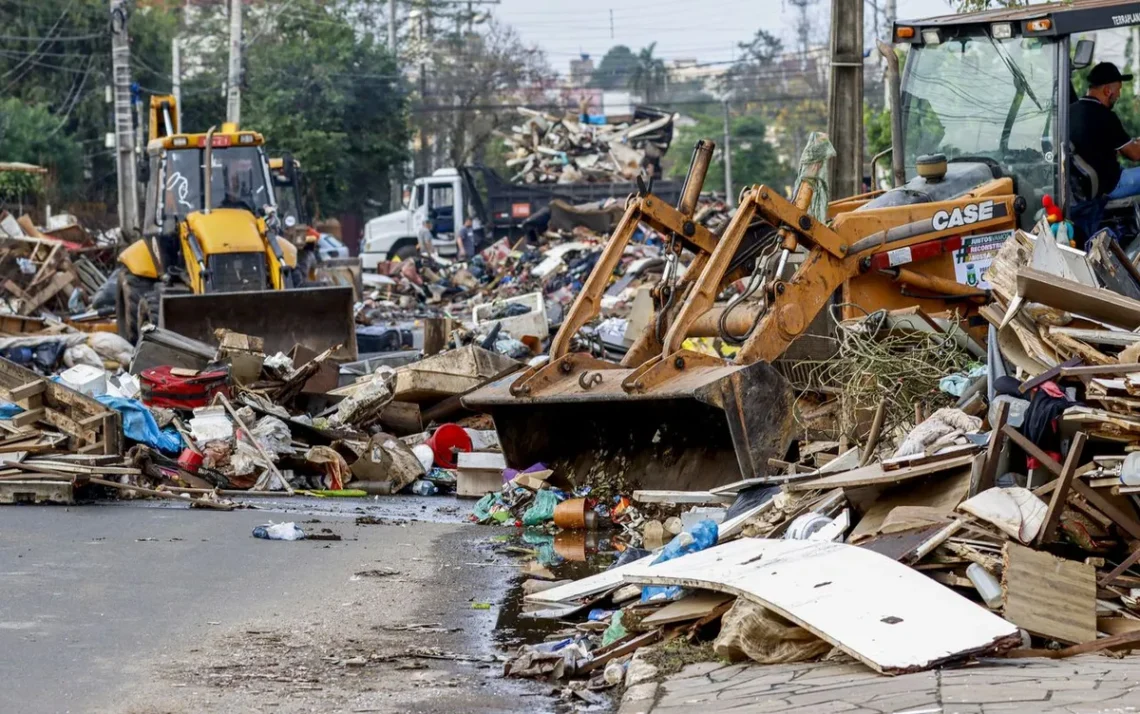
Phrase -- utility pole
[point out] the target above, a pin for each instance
(845, 97)
(176, 78)
(892, 15)
(611, 23)
(124, 129)
(233, 86)
(726, 149)
(392, 27)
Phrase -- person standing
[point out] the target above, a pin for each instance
(465, 240)
(425, 238)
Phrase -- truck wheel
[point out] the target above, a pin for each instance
(134, 295)
(403, 250)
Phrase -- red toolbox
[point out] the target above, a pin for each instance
(172, 388)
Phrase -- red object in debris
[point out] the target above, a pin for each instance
(1052, 211)
(446, 440)
(190, 461)
(162, 388)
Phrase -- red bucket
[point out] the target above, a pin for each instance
(446, 440)
(190, 461)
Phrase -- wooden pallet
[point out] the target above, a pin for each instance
(37, 492)
(91, 427)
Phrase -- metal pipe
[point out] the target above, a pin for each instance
(935, 284)
(894, 93)
(739, 321)
(208, 170)
(695, 179)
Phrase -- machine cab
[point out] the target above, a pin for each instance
(991, 91)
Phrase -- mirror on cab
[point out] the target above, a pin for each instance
(1083, 55)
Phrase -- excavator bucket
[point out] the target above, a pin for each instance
(689, 423)
(710, 426)
(318, 318)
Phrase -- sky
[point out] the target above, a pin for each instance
(706, 30)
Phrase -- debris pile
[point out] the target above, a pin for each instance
(965, 496)
(550, 149)
(59, 270)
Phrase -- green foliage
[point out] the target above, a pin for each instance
(877, 127)
(980, 5)
(649, 75)
(17, 186)
(615, 69)
(31, 134)
(754, 160)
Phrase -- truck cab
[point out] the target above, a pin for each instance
(440, 198)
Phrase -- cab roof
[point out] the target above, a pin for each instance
(222, 139)
(1066, 18)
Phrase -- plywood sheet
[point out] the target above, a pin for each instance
(1049, 596)
(874, 475)
(887, 615)
(941, 495)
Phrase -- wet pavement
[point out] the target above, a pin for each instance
(142, 607)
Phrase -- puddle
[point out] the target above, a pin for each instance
(570, 555)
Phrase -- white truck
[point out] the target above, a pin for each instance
(450, 195)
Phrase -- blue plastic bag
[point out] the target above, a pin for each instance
(703, 535)
(139, 424)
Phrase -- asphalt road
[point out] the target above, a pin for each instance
(138, 609)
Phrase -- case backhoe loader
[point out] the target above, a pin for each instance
(980, 137)
(213, 254)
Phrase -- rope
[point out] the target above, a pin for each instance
(901, 367)
(813, 171)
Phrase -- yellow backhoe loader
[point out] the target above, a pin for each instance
(213, 254)
(974, 160)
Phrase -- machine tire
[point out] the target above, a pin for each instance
(404, 249)
(134, 292)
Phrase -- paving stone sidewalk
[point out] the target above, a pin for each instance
(1091, 684)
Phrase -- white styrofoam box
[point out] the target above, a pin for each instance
(482, 460)
(85, 379)
(533, 323)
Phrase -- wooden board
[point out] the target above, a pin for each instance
(1049, 596)
(90, 426)
(890, 617)
(693, 607)
(873, 475)
(943, 494)
(1096, 303)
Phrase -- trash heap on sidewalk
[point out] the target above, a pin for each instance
(952, 494)
(550, 149)
(59, 270)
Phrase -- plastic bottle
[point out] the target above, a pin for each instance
(424, 488)
(614, 673)
(988, 586)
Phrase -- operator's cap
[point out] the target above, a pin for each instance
(1106, 73)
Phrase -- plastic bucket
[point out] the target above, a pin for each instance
(446, 440)
(190, 461)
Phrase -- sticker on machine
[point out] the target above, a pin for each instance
(974, 258)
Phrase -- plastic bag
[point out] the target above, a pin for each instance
(703, 535)
(481, 512)
(110, 346)
(615, 631)
(82, 354)
(751, 631)
(279, 531)
(542, 510)
(139, 424)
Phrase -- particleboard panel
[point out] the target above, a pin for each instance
(1096, 303)
(889, 616)
(1049, 596)
(943, 494)
(693, 607)
(874, 475)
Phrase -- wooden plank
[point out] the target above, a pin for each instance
(697, 497)
(1123, 520)
(1117, 625)
(24, 391)
(1061, 490)
(1101, 370)
(887, 615)
(1049, 596)
(1114, 338)
(1048, 375)
(691, 607)
(1119, 570)
(993, 451)
(1030, 448)
(874, 475)
(1096, 303)
(28, 417)
(58, 282)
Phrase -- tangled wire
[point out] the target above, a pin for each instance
(897, 366)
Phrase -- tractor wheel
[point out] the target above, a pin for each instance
(134, 295)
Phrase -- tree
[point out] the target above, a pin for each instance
(473, 83)
(754, 159)
(649, 75)
(331, 96)
(31, 134)
(751, 75)
(615, 69)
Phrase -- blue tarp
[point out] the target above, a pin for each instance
(139, 424)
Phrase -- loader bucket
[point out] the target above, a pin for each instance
(708, 427)
(318, 318)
